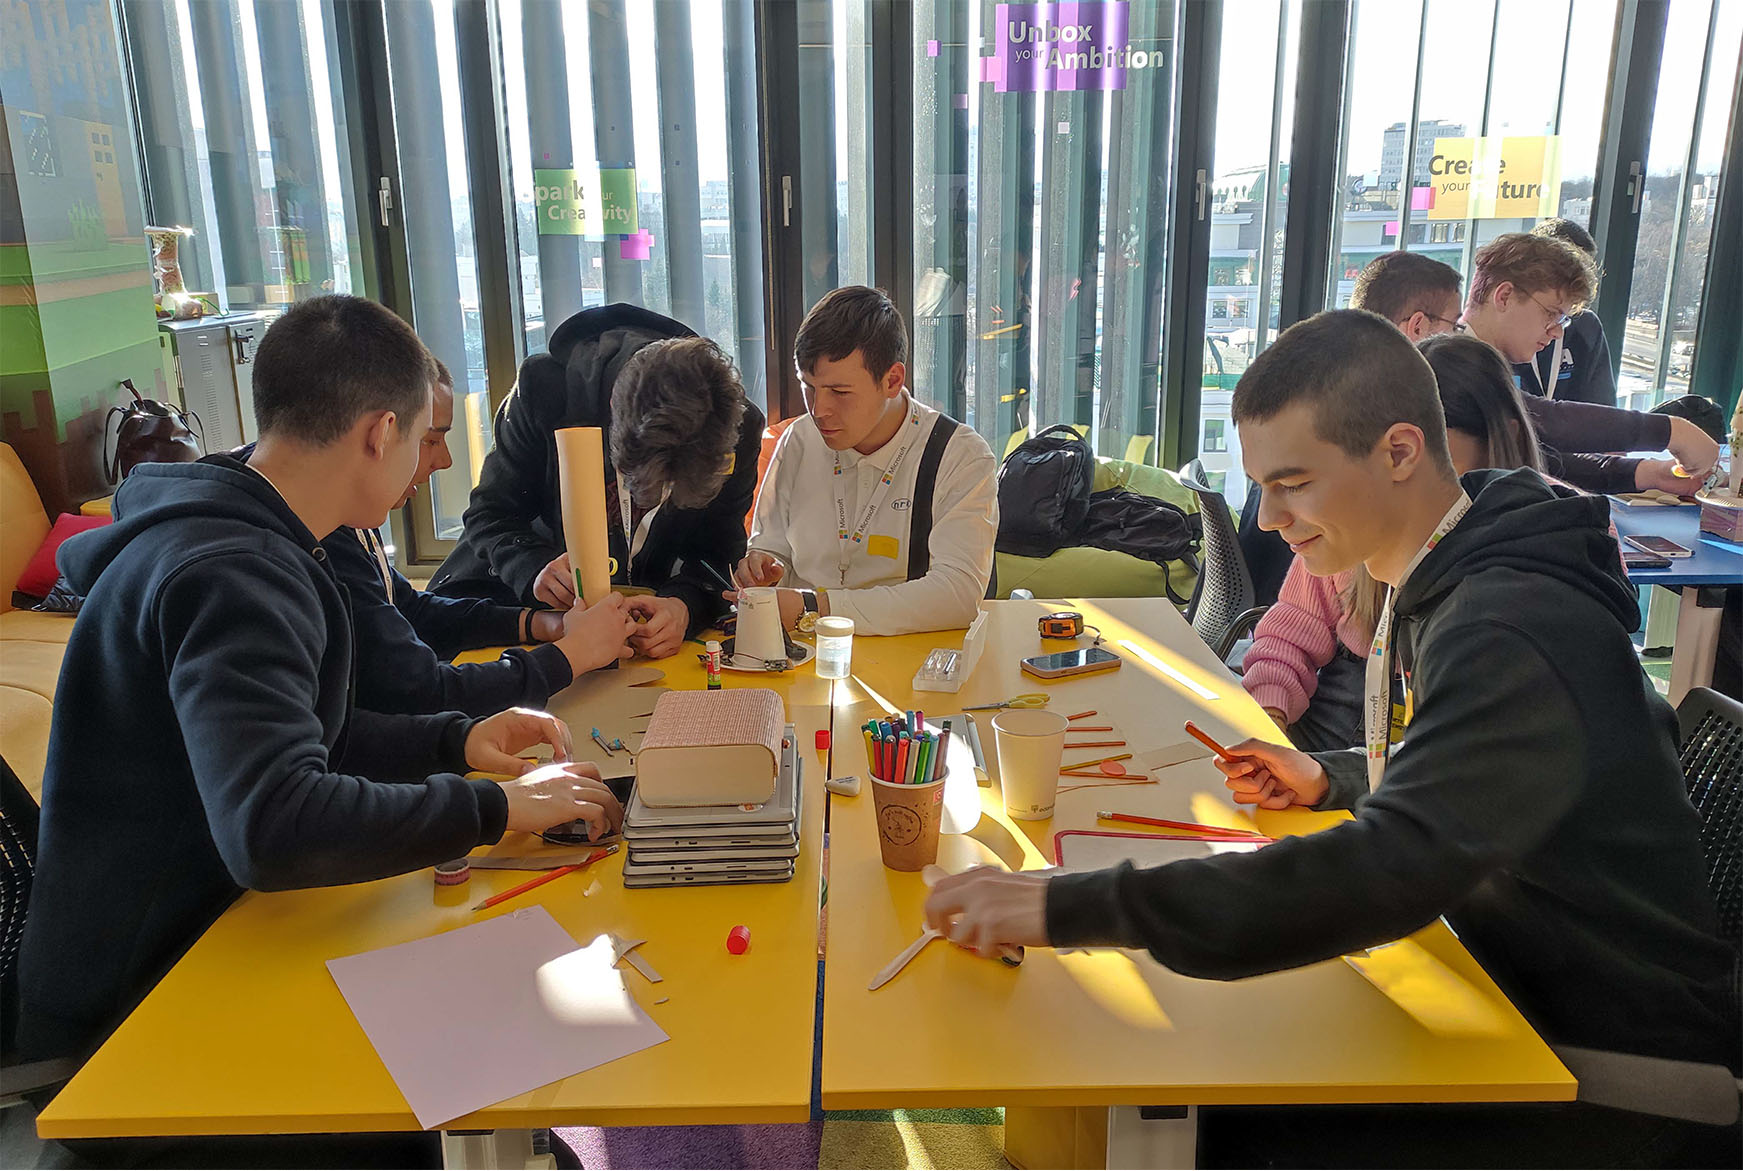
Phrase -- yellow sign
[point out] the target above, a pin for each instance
(1495, 178)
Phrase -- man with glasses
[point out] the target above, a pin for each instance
(1525, 291)
(1577, 367)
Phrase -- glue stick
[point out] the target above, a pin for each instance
(713, 649)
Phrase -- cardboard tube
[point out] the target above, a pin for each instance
(581, 483)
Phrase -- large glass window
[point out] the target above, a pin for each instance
(1440, 90)
(436, 204)
(1041, 193)
(1682, 182)
(632, 134)
(243, 130)
(1248, 197)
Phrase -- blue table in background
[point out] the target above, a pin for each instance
(1716, 563)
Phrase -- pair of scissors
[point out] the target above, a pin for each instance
(1029, 699)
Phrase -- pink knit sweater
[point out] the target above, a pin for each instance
(1298, 636)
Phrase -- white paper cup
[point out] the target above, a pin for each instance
(759, 625)
(1030, 744)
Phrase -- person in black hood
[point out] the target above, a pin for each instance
(204, 738)
(681, 465)
(1536, 801)
(405, 636)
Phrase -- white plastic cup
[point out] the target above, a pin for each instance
(759, 625)
(1030, 744)
(834, 648)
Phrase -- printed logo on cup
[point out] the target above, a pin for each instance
(901, 825)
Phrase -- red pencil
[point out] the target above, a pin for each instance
(544, 878)
(1197, 734)
(1165, 823)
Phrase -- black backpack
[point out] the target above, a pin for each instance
(1044, 493)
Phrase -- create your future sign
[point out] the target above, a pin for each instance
(1494, 178)
(1041, 47)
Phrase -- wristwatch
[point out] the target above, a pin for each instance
(808, 613)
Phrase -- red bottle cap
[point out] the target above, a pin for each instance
(822, 739)
(738, 940)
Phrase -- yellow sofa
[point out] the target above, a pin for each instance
(31, 644)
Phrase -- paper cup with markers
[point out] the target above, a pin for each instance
(1030, 743)
(908, 818)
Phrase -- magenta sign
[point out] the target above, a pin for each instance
(1063, 46)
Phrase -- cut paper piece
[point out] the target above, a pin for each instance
(471, 1017)
(581, 488)
(932, 48)
(636, 246)
(1438, 998)
(1170, 755)
(1422, 199)
(962, 101)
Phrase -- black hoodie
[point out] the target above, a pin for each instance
(514, 523)
(404, 638)
(201, 720)
(1536, 802)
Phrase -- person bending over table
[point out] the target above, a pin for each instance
(681, 463)
(404, 635)
(1536, 801)
(205, 739)
(875, 507)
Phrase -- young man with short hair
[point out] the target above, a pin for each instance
(1536, 801)
(681, 463)
(1576, 367)
(405, 636)
(875, 506)
(205, 739)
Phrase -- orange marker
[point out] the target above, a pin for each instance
(544, 878)
(1197, 734)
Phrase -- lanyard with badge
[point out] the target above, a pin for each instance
(845, 544)
(1554, 371)
(372, 542)
(634, 535)
(1377, 684)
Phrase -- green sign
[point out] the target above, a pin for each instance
(586, 201)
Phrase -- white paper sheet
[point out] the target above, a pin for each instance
(473, 1016)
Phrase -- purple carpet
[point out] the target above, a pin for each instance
(791, 1145)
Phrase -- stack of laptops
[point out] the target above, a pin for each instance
(713, 845)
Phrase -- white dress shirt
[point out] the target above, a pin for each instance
(802, 500)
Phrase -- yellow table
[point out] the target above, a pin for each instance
(248, 1033)
(1111, 1028)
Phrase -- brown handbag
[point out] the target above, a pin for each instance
(150, 432)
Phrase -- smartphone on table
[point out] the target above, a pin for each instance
(1659, 545)
(1635, 559)
(1083, 662)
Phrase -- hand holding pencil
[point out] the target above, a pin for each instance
(1270, 776)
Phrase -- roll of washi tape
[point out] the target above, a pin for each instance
(453, 873)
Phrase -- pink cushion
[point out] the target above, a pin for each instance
(39, 576)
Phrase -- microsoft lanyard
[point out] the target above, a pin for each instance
(639, 538)
(1377, 684)
(844, 545)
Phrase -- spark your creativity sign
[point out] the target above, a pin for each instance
(1065, 46)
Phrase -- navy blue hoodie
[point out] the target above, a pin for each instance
(403, 638)
(1537, 802)
(204, 742)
